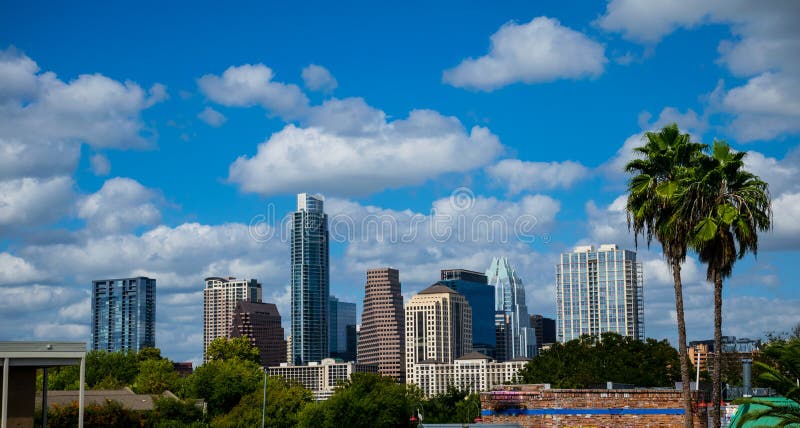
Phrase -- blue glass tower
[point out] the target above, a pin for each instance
(510, 300)
(310, 280)
(123, 314)
(480, 296)
(342, 326)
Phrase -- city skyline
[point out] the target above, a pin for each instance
(175, 152)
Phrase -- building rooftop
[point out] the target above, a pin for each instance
(473, 356)
(127, 398)
(438, 289)
(251, 307)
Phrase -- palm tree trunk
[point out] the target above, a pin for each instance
(682, 352)
(717, 375)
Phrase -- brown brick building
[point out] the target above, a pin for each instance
(382, 337)
(537, 406)
(261, 323)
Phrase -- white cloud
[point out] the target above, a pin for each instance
(781, 175)
(100, 164)
(31, 201)
(346, 152)
(540, 51)
(15, 270)
(318, 78)
(26, 158)
(786, 229)
(520, 176)
(765, 107)
(120, 205)
(648, 21)
(249, 85)
(212, 117)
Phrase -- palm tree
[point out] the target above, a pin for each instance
(652, 212)
(727, 207)
(775, 414)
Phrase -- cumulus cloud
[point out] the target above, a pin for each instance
(32, 201)
(252, 84)
(541, 50)
(15, 270)
(212, 117)
(122, 204)
(318, 78)
(100, 164)
(363, 153)
(763, 48)
(519, 176)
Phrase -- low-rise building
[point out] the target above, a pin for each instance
(473, 372)
(321, 378)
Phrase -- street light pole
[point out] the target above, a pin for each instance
(264, 402)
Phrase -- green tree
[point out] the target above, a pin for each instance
(590, 361)
(284, 403)
(222, 383)
(775, 415)
(110, 368)
(223, 348)
(453, 405)
(653, 200)
(171, 412)
(145, 354)
(727, 207)
(155, 377)
(778, 367)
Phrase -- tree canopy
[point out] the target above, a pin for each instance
(223, 348)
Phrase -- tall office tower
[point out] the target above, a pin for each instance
(501, 333)
(342, 331)
(438, 328)
(509, 297)
(310, 280)
(381, 338)
(545, 329)
(219, 304)
(124, 314)
(261, 324)
(474, 286)
(599, 291)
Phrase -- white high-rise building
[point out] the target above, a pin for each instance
(219, 304)
(599, 291)
(509, 299)
(473, 372)
(438, 328)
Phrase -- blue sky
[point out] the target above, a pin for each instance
(148, 139)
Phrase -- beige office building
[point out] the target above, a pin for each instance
(438, 328)
(381, 340)
(219, 304)
(473, 372)
(322, 377)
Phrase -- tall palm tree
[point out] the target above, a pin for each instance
(652, 212)
(727, 207)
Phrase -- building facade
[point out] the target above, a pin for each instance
(342, 329)
(261, 324)
(438, 328)
(599, 291)
(310, 280)
(381, 337)
(124, 314)
(220, 297)
(510, 299)
(473, 372)
(321, 377)
(474, 286)
(545, 329)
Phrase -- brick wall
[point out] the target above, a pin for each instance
(534, 406)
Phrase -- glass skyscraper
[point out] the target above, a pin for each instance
(474, 286)
(342, 322)
(124, 314)
(310, 280)
(599, 291)
(509, 299)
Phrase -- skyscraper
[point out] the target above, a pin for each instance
(474, 286)
(220, 297)
(261, 324)
(310, 280)
(545, 329)
(124, 314)
(342, 336)
(509, 298)
(599, 291)
(381, 339)
(438, 328)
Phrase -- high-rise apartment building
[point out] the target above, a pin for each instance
(599, 291)
(510, 299)
(381, 338)
(320, 377)
(474, 286)
(473, 372)
(124, 314)
(220, 297)
(342, 323)
(545, 329)
(438, 328)
(261, 324)
(310, 271)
